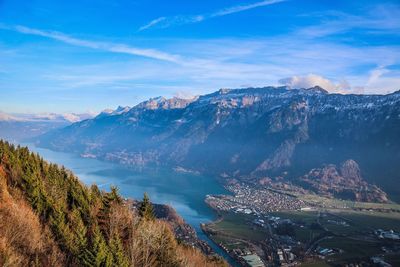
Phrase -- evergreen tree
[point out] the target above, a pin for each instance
(114, 195)
(146, 210)
(99, 249)
(95, 194)
(79, 219)
(118, 252)
(80, 246)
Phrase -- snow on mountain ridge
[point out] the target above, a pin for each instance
(68, 117)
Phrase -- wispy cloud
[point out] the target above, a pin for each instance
(202, 65)
(105, 46)
(165, 22)
(382, 19)
(240, 8)
(152, 23)
(263, 62)
(376, 74)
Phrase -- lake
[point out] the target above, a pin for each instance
(183, 191)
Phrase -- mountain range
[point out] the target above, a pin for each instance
(22, 126)
(248, 134)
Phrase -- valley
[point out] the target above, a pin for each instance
(250, 214)
(299, 229)
(250, 172)
(184, 192)
(247, 133)
(344, 146)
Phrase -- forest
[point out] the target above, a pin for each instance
(50, 218)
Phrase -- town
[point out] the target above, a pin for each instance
(274, 228)
(248, 200)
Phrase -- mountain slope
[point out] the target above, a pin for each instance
(48, 218)
(248, 133)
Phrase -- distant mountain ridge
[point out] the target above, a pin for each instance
(248, 133)
(22, 126)
(40, 117)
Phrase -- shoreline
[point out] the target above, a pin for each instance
(200, 234)
(229, 258)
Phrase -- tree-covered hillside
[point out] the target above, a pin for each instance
(49, 218)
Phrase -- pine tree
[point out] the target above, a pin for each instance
(146, 210)
(118, 252)
(99, 248)
(80, 246)
(95, 194)
(89, 227)
(60, 229)
(114, 194)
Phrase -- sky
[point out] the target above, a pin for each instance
(89, 55)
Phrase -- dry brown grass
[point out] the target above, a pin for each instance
(23, 239)
(191, 257)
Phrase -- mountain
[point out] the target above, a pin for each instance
(111, 112)
(49, 218)
(345, 183)
(7, 117)
(249, 134)
(19, 127)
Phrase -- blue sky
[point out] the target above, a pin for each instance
(78, 56)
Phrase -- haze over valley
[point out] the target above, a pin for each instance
(199, 133)
(253, 134)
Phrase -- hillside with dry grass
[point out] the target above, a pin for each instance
(49, 218)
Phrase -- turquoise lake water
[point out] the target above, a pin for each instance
(183, 191)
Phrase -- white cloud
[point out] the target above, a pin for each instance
(111, 47)
(240, 8)
(207, 64)
(376, 74)
(383, 80)
(382, 19)
(152, 23)
(165, 22)
(312, 80)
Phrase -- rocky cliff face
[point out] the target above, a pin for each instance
(344, 182)
(249, 133)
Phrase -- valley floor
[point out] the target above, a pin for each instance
(308, 231)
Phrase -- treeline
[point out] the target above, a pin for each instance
(49, 218)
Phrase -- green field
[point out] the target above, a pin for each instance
(372, 220)
(315, 264)
(346, 204)
(355, 238)
(304, 234)
(353, 249)
(239, 226)
(306, 216)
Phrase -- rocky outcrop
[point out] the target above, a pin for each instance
(350, 171)
(164, 103)
(344, 182)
